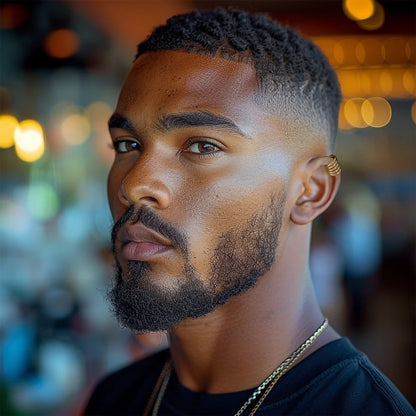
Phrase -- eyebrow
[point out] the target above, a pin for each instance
(169, 122)
(197, 119)
(117, 121)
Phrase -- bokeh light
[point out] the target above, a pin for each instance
(29, 140)
(376, 112)
(373, 50)
(338, 53)
(43, 201)
(394, 50)
(61, 43)
(98, 113)
(352, 112)
(12, 15)
(386, 82)
(409, 81)
(360, 52)
(343, 124)
(411, 50)
(358, 9)
(345, 51)
(374, 22)
(8, 125)
(75, 129)
(366, 83)
(350, 82)
(413, 112)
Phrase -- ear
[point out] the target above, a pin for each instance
(319, 188)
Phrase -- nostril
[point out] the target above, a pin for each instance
(123, 197)
(150, 198)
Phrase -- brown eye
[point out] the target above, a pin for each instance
(124, 146)
(203, 148)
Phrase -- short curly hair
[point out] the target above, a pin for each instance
(294, 76)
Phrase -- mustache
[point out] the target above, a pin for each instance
(151, 220)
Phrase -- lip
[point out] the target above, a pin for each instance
(139, 243)
(142, 251)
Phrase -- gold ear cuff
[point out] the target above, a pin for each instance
(333, 168)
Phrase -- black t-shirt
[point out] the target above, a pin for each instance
(335, 380)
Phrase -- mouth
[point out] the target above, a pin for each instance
(139, 243)
(143, 251)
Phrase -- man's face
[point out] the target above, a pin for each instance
(197, 188)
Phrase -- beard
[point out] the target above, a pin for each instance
(242, 255)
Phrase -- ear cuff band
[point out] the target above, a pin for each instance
(333, 168)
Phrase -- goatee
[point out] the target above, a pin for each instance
(243, 254)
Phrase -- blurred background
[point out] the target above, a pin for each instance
(61, 66)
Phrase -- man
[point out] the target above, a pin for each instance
(222, 136)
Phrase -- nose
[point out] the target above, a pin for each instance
(146, 183)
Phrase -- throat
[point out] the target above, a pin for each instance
(258, 395)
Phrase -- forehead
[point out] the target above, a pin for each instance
(171, 81)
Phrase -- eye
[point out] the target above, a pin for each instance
(203, 147)
(125, 146)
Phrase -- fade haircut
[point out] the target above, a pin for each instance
(294, 77)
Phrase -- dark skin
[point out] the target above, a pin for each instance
(194, 144)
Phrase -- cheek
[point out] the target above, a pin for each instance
(224, 202)
(237, 190)
(251, 182)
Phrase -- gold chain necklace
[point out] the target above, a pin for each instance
(267, 385)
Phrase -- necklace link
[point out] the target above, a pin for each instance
(281, 370)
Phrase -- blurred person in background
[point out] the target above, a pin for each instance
(358, 235)
(223, 135)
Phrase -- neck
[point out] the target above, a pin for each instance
(240, 343)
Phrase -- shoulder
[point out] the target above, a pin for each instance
(373, 392)
(127, 390)
(356, 386)
(339, 379)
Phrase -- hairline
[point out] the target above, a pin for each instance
(282, 104)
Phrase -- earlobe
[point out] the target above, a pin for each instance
(320, 183)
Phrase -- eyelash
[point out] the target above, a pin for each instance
(197, 141)
(115, 145)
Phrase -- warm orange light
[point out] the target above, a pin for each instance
(366, 84)
(345, 51)
(376, 112)
(8, 125)
(358, 9)
(327, 44)
(409, 81)
(29, 140)
(338, 53)
(394, 50)
(352, 112)
(413, 112)
(360, 52)
(386, 82)
(411, 50)
(12, 15)
(373, 51)
(61, 43)
(342, 121)
(350, 82)
(394, 82)
(375, 21)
